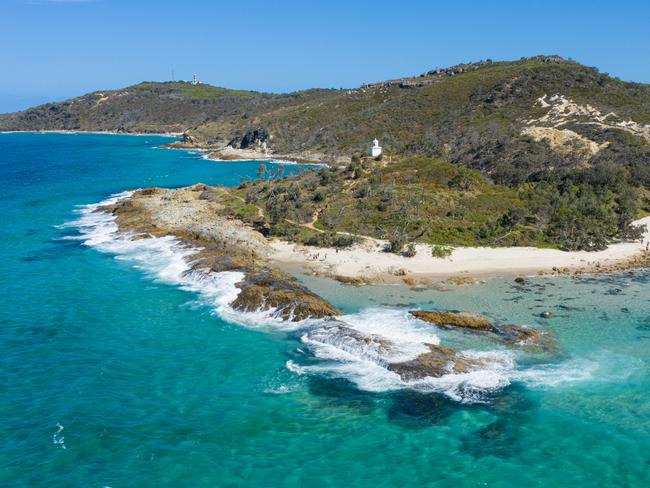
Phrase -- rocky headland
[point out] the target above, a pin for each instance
(194, 216)
(200, 217)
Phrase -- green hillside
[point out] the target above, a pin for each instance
(146, 107)
(420, 199)
(475, 116)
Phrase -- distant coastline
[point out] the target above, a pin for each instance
(98, 132)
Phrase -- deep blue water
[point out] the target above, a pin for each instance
(110, 375)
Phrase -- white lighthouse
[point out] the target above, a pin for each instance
(375, 149)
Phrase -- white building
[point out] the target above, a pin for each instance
(375, 149)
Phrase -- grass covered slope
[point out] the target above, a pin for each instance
(420, 199)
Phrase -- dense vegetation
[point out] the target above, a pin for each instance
(474, 118)
(418, 199)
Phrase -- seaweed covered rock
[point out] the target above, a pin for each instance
(454, 318)
(508, 334)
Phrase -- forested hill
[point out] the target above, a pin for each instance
(507, 119)
(146, 107)
(510, 120)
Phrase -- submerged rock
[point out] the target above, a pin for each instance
(350, 280)
(462, 280)
(522, 336)
(439, 361)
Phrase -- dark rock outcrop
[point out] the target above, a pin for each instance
(253, 137)
(272, 290)
(438, 362)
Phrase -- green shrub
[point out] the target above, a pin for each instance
(439, 251)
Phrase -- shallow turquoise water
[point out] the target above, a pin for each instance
(111, 377)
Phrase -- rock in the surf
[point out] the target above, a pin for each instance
(339, 335)
(454, 318)
(523, 336)
(272, 290)
(437, 362)
(509, 334)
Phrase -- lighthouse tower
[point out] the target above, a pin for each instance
(375, 149)
(194, 80)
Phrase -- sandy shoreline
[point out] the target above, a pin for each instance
(369, 263)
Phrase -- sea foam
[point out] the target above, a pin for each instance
(168, 260)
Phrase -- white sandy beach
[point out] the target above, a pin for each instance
(368, 260)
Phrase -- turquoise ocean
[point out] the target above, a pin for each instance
(120, 369)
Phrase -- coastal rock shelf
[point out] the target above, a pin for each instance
(193, 215)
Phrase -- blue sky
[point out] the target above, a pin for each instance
(55, 49)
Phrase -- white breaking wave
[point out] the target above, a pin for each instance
(603, 366)
(167, 260)
(358, 347)
(364, 361)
